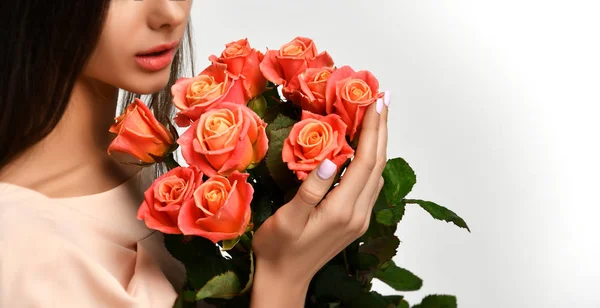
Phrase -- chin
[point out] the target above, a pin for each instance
(147, 83)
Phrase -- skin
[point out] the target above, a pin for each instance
(303, 235)
(82, 134)
(290, 247)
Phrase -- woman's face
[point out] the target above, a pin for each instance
(137, 45)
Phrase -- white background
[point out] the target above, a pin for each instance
(495, 105)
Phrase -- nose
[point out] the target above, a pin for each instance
(167, 14)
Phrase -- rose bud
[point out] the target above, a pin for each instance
(140, 134)
(243, 63)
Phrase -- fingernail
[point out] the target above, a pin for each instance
(327, 169)
(379, 106)
(386, 97)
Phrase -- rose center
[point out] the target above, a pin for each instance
(357, 90)
(234, 50)
(293, 49)
(218, 125)
(211, 196)
(205, 88)
(313, 138)
(322, 76)
(215, 198)
(170, 190)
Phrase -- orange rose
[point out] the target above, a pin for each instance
(225, 139)
(349, 93)
(243, 62)
(219, 209)
(310, 94)
(313, 140)
(164, 198)
(195, 95)
(140, 134)
(282, 66)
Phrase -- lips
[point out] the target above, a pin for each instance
(159, 48)
(157, 57)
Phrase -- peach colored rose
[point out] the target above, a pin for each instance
(282, 66)
(225, 139)
(349, 93)
(310, 93)
(140, 134)
(164, 198)
(243, 62)
(314, 139)
(219, 209)
(192, 96)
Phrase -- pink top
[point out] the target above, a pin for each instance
(87, 251)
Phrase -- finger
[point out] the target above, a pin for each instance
(359, 170)
(364, 199)
(294, 215)
(367, 218)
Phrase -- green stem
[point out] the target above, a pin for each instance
(246, 242)
(346, 261)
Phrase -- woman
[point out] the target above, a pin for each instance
(68, 230)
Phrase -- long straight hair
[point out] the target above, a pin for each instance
(45, 47)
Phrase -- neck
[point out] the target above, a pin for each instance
(75, 151)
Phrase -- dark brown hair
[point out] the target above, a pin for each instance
(45, 46)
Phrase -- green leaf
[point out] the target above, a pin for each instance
(381, 202)
(229, 244)
(333, 283)
(399, 180)
(391, 216)
(201, 257)
(367, 262)
(189, 296)
(278, 132)
(262, 209)
(438, 301)
(190, 249)
(251, 278)
(440, 213)
(226, 285)
(281, 121)
(398, 278)
(402, 303)
(397, 300)
(258, 105)
(371, 300)
(384, 248)
(377, 230)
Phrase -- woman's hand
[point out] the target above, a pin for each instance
(303, 235)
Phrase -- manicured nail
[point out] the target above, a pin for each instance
(386, 97)
(327, 169)
(379, 106)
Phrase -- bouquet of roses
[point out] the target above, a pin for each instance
(255, 125)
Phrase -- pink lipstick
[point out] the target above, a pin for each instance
(158, 57)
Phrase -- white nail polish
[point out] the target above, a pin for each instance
(387, 98)
(379, 107)
(327, 169)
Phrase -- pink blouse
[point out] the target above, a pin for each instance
(87, 251)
